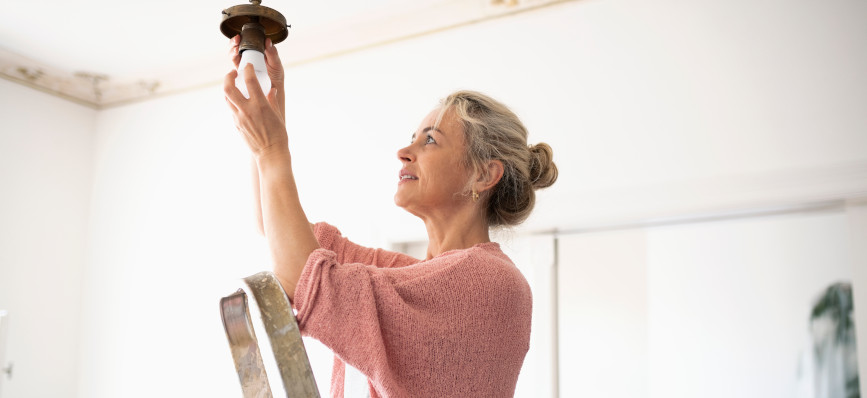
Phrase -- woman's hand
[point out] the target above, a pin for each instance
(259, 119)
(272, 63)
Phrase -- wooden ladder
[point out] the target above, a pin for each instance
(269, 301)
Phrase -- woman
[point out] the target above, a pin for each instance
(454, 324)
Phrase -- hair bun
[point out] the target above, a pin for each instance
(543, 171)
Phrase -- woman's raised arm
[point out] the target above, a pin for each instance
(286, 227)
(261, 123)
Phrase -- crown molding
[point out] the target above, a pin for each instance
(92, 90)
(363, 32)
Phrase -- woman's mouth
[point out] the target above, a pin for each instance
(406, 176)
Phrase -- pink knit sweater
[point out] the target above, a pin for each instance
(457, 325)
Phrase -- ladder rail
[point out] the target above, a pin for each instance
(263, 291)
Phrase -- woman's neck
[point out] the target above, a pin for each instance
(457, 230)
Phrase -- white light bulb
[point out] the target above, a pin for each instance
(258, 60)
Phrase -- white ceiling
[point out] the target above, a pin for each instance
(137, 39)
(173, 44)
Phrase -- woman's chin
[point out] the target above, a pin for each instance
(404, 203)
(398, 200)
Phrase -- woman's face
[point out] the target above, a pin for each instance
(434, 175)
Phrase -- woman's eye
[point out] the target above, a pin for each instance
(430, 140)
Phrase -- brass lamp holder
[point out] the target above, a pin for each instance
(254, 22)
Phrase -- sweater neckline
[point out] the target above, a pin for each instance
(483, 245)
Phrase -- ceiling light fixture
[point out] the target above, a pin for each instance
(254, 22)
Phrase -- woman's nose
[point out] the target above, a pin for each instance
(405, 154)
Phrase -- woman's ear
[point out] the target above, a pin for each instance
(490, 176)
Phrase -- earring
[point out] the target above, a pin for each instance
(475, 196)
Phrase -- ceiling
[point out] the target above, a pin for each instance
(106, 52)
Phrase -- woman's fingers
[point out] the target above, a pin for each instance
(254, 89)
(260, 117)
(275, 99)
(276, 74)
(273, 65)
(253, 86)
(234, 54)
(233, 95)
(272, 96)
(272, 62)
(234, 110)
(272, 59)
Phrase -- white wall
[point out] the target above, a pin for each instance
(857, 212)
(729, 303)
(171, 230)
(603, 321)
(662, 108)
(535, 257)
(45, 178)
(653, 109)
(710, 309)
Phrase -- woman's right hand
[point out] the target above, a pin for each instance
(260, 118)
(274, 66)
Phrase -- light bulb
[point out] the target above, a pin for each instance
(258, 60)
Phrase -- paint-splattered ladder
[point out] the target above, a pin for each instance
(270, 303)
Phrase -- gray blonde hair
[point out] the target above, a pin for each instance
(493, 132)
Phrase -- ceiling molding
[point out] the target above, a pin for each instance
(90, 89)
(362, 32)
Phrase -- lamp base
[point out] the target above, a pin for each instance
(272, 23)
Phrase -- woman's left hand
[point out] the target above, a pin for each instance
(260, 118)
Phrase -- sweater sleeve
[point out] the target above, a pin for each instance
(329, 237)
(340, 305)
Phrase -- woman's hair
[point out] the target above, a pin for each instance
(493, 132)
